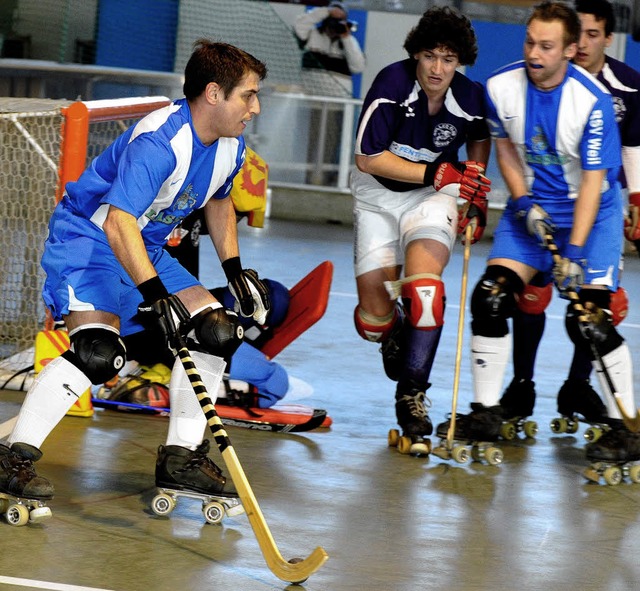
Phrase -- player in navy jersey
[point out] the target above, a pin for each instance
(109, 278)
(416, 116)
(558, 149)
(576, 394)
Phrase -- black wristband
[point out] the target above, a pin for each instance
(232, 268)
(429, 175)
(153, 290)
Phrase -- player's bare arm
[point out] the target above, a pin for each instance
(587, 205)
(223, 229)
(390, 166)
(511, 167)
(126, 242)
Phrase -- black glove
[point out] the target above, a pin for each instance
(162, 312)
(252, 296)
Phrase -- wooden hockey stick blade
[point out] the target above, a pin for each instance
(290, 571)
(631, 423)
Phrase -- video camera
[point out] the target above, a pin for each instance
(337, 26)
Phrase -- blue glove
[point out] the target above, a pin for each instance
(536, 219)
(568, 272)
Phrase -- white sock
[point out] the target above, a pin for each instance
(489, 357)
(53, 393)
(187, 422)
(620, 370)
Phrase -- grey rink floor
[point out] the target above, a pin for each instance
(389, 522)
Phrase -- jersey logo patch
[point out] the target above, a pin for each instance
(444, 134)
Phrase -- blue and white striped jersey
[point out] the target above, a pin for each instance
(159, 171)
(395, 117)
(558, 134)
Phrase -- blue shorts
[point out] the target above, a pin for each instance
(83, 274)
(602, 250)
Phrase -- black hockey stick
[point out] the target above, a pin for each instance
(632, 423)
(293, 571)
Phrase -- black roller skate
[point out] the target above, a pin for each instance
(22, 492)
(578, 401)
(614, 455)
(181, 472)
(478, 429)
(517, 404)
(392, 349)
(413, 418)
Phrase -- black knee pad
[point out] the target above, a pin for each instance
(599, 330)
(494, 300)
(98, 352)
(218, 331)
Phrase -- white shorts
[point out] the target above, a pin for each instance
(386, 221)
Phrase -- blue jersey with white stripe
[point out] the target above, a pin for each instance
(395, 117)
(558, 134)
(158, 171)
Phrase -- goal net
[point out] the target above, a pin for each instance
(43, 145)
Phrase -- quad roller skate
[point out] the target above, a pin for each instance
(614, 456)
(181, 472)
(23, 494)
(411, 412)
(517, 404)
(578, 402)
(473, 436)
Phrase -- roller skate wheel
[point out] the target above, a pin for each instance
(17, 514)
(634, 474)
(508, 431)
(558, 425)
(530, 429)
(213, 512)
(494, 456)
(591, 474)
(163, 504)
(593, 434)
(572, 426)
(39, 514)
(477, 453)
(404, 445)
(460, 454)
(393, 437)
(235, 509)
(612, 475)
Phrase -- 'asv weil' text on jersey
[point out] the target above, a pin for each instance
(395, 117)
(159, 171)
(558, 134)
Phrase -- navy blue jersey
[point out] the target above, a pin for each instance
(395, 117)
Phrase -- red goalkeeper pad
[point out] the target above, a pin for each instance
(308, 303)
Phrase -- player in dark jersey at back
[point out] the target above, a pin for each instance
(417, 115)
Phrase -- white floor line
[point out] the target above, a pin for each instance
(45, 585)
(7, 427)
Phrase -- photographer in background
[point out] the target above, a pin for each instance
(331, 56)
(331, 53)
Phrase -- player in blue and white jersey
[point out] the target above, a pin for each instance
(108, 276)
(623, 82)
(558, 149)
(416, 117)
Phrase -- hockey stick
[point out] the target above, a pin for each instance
(463, 300)
(293, 571)
(632, 423)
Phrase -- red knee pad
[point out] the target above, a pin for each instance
(534, 299)
(424, 300)
(619, 305)
(371, 328)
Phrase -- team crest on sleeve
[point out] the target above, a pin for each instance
(619, 108)
(444, 134)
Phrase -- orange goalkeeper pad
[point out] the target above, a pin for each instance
(249, 191)
(308, 303)
(49, 345)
